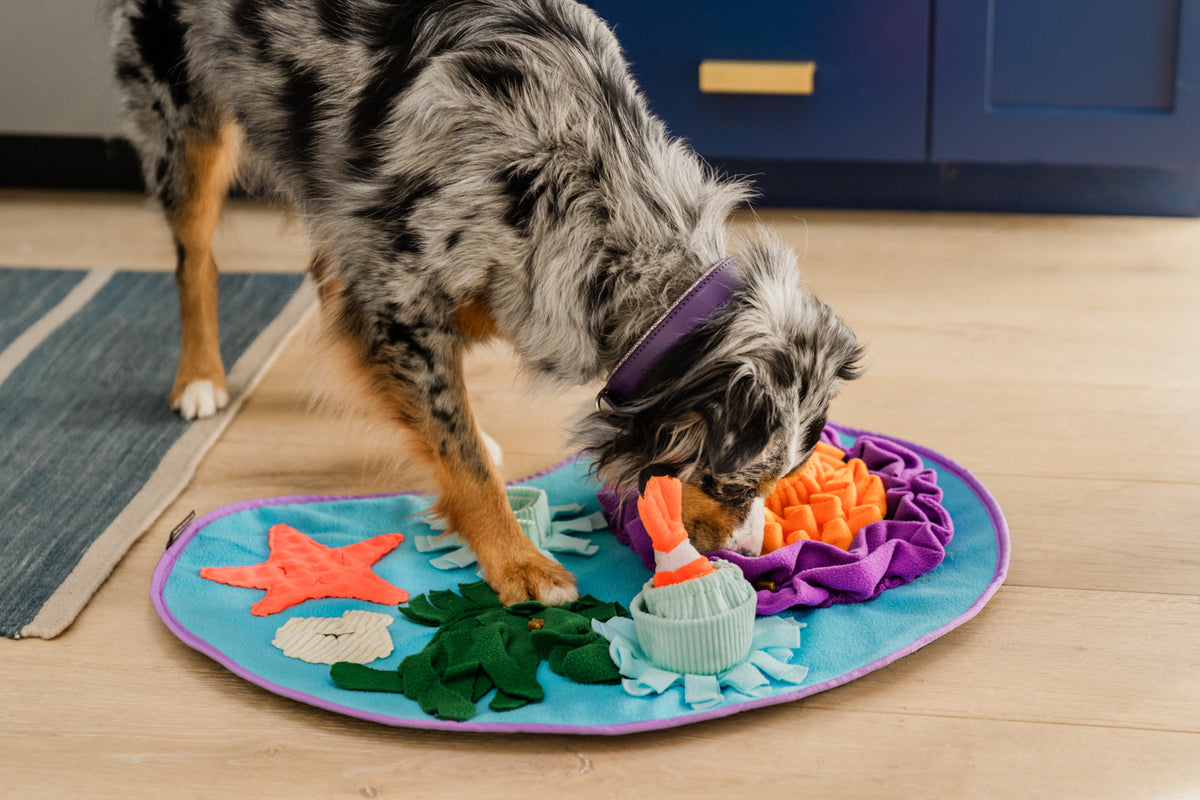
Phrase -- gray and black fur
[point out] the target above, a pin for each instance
(493, 155)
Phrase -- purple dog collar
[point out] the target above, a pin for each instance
(707, 295)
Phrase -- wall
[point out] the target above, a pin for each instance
(55, 76)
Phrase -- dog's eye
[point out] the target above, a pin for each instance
(728, 492)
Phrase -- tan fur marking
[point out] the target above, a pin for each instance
(477, 507)
(372, 388)
(323, 268)
(709, 524)
(479, 512)
(210, 165)
(766, 487)
(475, 321)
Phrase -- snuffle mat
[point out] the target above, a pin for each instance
(843, 631)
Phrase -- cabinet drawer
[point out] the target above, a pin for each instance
(868, 89)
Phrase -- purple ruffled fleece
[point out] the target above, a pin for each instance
(909, 543)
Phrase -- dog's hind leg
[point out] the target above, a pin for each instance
(199, 389)
(187, 162)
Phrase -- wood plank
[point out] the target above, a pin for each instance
(990, 248)
(1119, 536)
(275, 752)
(1105, 350)
(1055, 300)
(1066, 657)
(1016, 428)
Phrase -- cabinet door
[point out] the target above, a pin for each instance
(1102, 82)
(869, 87)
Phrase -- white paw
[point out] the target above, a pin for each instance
(200, 399)
(493, 448)
(558, 595)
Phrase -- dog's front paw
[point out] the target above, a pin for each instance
(542, 580)
(199, 399)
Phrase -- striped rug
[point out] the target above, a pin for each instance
(90, 454)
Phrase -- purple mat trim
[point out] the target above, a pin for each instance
(909, 543)
(167, 563)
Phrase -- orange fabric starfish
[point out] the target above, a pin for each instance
(300, 569)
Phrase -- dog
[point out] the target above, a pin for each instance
(470, 169)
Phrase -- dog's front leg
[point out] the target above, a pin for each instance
(431, 396)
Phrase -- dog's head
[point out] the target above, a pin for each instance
(737, 405)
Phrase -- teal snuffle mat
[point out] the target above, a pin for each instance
(794, 653)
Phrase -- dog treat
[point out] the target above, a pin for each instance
(482, 645)
(694, 616)
(828, 499)
(300, 569)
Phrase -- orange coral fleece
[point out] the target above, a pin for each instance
(828, 499)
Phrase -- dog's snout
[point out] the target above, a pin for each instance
(747, 538)
(714, 525)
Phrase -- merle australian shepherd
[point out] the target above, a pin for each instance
(478, 168)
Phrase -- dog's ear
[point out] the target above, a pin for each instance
(715, 422)
(833, 347)
(739, 422)
(853, 358)
(656, 435)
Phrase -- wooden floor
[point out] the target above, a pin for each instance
(1058, 358)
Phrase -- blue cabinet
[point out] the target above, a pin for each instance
(1027, 105)
(870, 83)
(1106, 82)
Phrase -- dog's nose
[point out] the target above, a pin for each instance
(747, 538)
(746, 550)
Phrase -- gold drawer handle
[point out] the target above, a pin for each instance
(757, 77)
